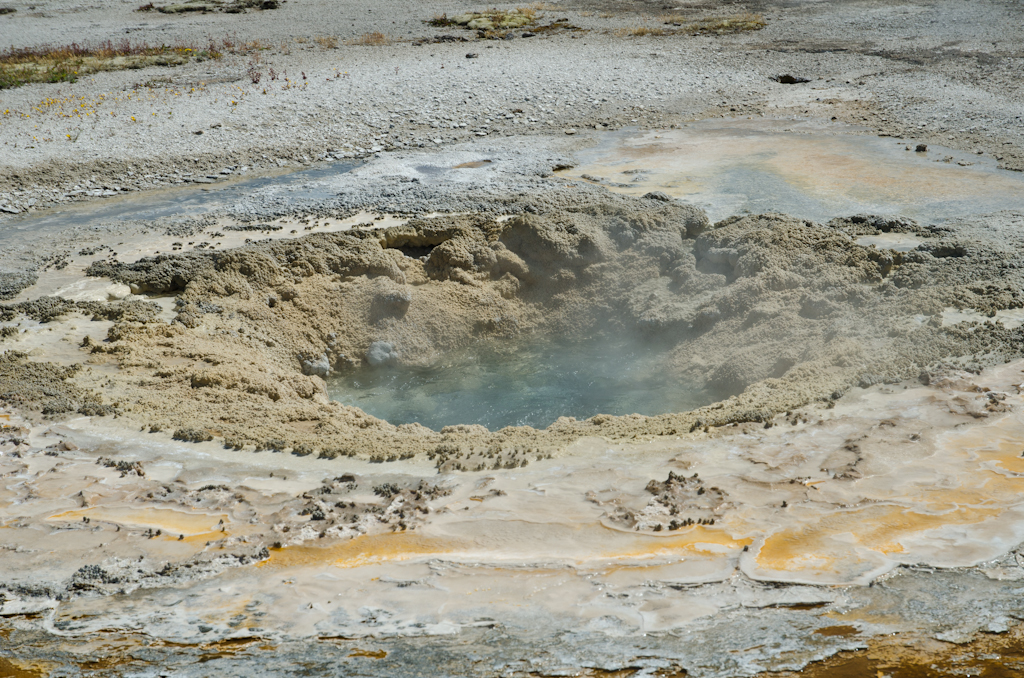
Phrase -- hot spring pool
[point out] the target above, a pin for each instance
(528, 384)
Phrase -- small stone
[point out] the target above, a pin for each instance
(198, 131)
(9, 209)
(319, 367)
(381, 353)
(658, 195)
(528, 34)
(570, 131)
(788, 79)
(202, 180)
(472, 55)
(921, 148)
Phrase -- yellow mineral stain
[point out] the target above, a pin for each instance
(983, 488)
(697, 539)
(678, 161)
(402, 546)
(1001, 442)
(844, 630)
(364, 550)
(864, 615)
(13, 668)
(877, 528)
(173, 522)
(373, 654)
(978, 457)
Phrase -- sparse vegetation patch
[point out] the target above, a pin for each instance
(374, 39)
(66, 63)
(496, 23)
(203, 6)
(713, 25)
(718, 25)
(490, 20)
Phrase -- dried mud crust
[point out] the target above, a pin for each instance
(769, 311)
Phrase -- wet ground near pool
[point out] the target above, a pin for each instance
(186, 200)
(809, 170)
(531, 383)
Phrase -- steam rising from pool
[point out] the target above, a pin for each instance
(497, 384)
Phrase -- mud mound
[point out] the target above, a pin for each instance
(46, 309)
(11, 284)
(44, 387)
(768, 312)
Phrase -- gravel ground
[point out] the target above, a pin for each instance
(940, 72)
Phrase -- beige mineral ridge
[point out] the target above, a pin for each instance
(770, 312)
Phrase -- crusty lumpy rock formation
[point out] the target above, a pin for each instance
(45, 388)
(768, 312)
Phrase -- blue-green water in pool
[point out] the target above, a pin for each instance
(532, 384)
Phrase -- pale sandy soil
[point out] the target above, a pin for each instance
(178, 495)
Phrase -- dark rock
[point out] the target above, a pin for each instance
(658, 195)
(192, 435)
(788, 79)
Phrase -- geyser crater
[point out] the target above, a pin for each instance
(766, 311)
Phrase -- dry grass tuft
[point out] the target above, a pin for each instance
(735, 23)
(639, 32)
(375, 39)
(254, 46)
(327, 41)
(66, 63)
